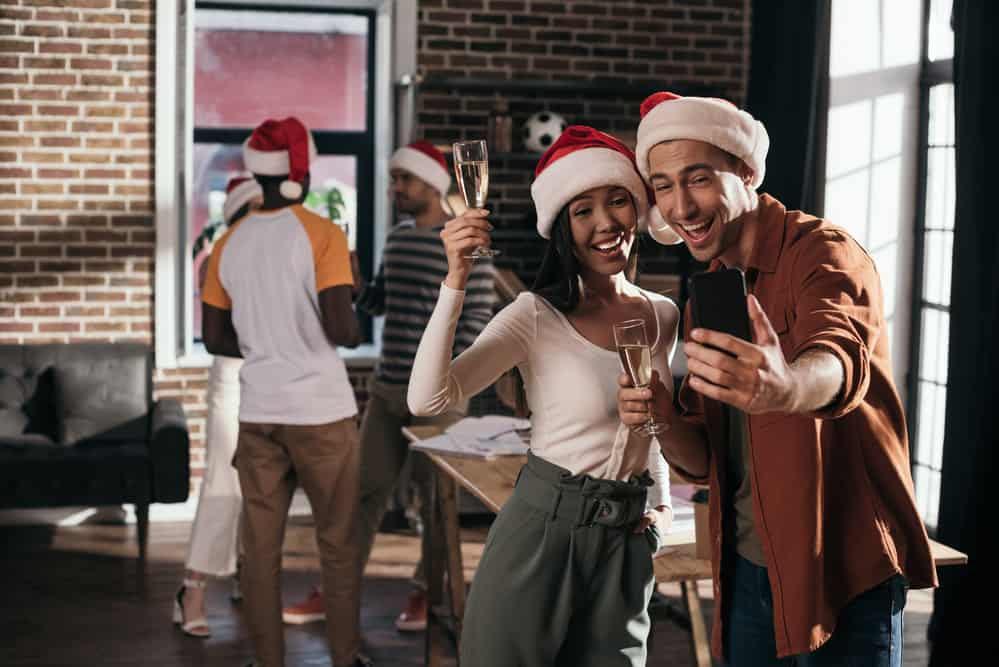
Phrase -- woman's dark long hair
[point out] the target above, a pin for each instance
(557, 281)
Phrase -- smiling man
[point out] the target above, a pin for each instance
(800, 432)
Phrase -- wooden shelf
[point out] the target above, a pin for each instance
(593, 87)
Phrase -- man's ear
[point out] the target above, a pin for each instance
(745, 173)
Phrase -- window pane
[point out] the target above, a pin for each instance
(886, 183)
(848, 143)
(846, 204)
(940, 193)
(333, 192)
(938, 257)
(854, 37)
(935, 337)
(942, 115)
(889, 115)
(900, 42)
(254, 65)
(941, 45)
(886, 261)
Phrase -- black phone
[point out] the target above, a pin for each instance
(718, 302)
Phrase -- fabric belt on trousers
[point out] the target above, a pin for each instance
(583, 499)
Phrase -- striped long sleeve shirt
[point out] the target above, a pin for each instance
(413, 267)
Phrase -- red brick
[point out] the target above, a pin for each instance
(17, 327)
(63, 142)
(56, 205)
(10, 125)
(105, 267)
(56, 297)
(10, 62)
(17, 46)
(92, 126)
(89, 158)
(42, 30)
(15, 109)
(15, 172)
(88, 189)
(131, 251)
(14, 204)
(131, 311)
(60, 236)
(107, 297)
(12, 77)
(38, 281)
(90, 64)
(17, 266)
(49, 220)
(84, 281)
(129, 282)
(46, 94)
(107, 18)
(59, 173)
(105, 112)
(40, 251)
(59, 327)
(107, 49)
(60, 47)
(98, 174)
(54, 79)
(88, 32)
(59, 267)
(88, 96)
(101, 80)
(95, 235)
(45, 63)
(39, 311)
(42, 188)
(86, 311)
(15, 14)
(58, 110)
(16, 236)
(86, 251)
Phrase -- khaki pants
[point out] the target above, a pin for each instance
(384, 450)
(272, 459)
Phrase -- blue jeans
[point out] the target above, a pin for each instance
(868, 630)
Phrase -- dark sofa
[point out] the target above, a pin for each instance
(78, 426)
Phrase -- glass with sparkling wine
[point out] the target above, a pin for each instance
(636, 360)
(471, 166)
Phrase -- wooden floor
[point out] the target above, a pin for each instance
(74, 596)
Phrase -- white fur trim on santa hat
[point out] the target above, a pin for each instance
(422, 166)
(238, 197)
(583, 170)
(712, 121)
(272, 163)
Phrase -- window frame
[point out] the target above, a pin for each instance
(932, 73)
(176, 136)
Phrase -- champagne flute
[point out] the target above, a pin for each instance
(636, 359)
(471, 166)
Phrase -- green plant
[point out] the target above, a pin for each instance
(331, 200)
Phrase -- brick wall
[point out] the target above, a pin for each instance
(696, 46)
(77, 237)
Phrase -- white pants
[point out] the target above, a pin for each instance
(215, 532)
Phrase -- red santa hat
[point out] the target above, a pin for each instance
(667, 116)
(240, 191)
(583, 158)
(278, 148)
(423, 160)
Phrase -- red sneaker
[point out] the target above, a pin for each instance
(414, 617)
(309, 610)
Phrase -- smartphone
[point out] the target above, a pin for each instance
(718, 302)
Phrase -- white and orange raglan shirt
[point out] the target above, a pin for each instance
(268, 269)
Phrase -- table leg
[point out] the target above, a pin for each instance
(433, 558)
(448, 504)
(699, 645)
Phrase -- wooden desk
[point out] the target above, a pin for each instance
(492, 483)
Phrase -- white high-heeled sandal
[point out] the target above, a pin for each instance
(195, 627)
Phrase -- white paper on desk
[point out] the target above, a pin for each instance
(479, 437)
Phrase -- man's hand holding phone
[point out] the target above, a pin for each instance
(751, 376)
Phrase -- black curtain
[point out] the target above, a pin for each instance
(963, 603)
(788, 93)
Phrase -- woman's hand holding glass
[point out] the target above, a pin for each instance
(637, 406)
(461, 236)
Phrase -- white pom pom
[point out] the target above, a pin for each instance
(659, 230)
(290, 189)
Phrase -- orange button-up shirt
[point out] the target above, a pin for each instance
(833, 498)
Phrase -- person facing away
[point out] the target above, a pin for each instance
(405, 290)
(278, 294)
(566, 574)
(800, 432)
(213, 550)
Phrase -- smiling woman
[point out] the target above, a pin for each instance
(591, 203)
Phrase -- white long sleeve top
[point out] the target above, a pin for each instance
(571, 383)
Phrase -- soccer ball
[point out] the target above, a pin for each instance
(541, 130)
